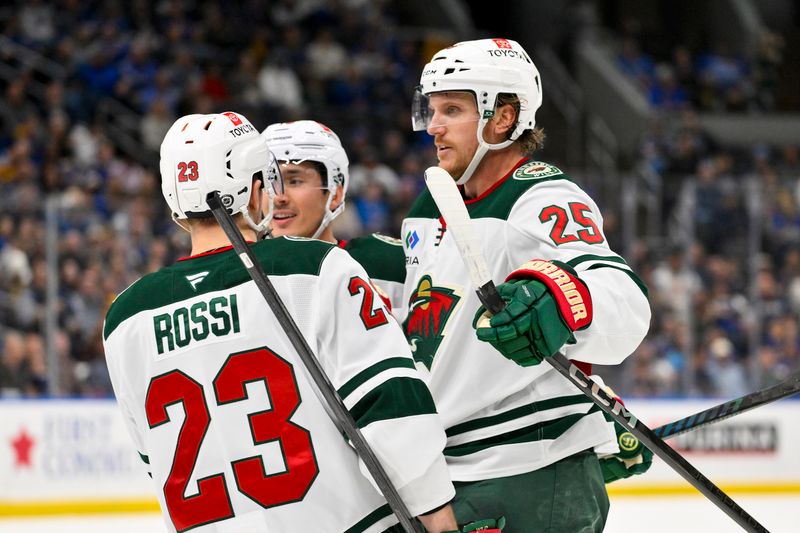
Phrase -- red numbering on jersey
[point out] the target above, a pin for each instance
(212, 501)
(590, 233)
(270, 425)
(187, 171)
(372, 318)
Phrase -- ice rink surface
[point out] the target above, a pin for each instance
(779, 514)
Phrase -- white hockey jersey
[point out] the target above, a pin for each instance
(502, 419)
(227, 419)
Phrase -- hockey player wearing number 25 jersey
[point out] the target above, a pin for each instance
(218, 403)
(521, 439)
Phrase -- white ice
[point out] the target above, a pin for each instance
(687, 514)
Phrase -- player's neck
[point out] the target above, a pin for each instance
(494, 165)
(205, 239)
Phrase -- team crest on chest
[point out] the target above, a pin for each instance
(429, 309)
(534, 170)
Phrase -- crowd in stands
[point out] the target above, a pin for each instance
(724, 277)
(712, 77)
(347, 64)
(271, 61)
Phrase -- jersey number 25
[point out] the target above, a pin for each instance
(589, 234)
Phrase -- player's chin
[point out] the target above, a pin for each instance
(447, 164)
(454, 170)
(277, 231)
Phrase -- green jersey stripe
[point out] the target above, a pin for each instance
(636, 279)
(591, 257)
(519, 412)
(365, 523)
(382, 402)
(372, 371)
(549, 430)
(499, 202)
(223, 270)
(145, 459)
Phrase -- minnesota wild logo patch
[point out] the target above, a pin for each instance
(534, 170)
(429, 308)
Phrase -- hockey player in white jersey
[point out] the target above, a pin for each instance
(316, 174)
(522, 441)
(220, 408)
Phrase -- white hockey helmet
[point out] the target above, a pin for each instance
(217, 152)
(486, 68)
(308, 140)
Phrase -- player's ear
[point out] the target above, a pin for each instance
(504, 118)
(255, 202)
(337, 198)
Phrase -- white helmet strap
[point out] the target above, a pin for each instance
(181, 222)
(483, 147)
(329, 215)
(262, 228)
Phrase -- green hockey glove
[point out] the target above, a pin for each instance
(546, 303)
(633, 457)
(487, 526)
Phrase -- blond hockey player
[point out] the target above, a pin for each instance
(521, 440)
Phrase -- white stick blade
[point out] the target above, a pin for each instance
(451, 205)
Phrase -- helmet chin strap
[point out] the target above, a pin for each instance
(483, 147)
(261, 228)
(181, 223)
(329, 215)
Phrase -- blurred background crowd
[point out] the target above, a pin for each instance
(91, 87)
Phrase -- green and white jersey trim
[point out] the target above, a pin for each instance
(591, 262)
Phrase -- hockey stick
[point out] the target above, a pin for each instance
(451, 206)
(341, 416)
(787, 387)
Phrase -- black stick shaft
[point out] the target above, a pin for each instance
(342, 416)
(785, 388)
(617, 411)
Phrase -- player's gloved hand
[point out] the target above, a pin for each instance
(633, 457)
(529, 328)
(546, 303)
(487, 526)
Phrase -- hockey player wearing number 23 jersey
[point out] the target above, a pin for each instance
(521, 439)
(221, 409)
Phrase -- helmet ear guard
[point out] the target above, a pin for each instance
(486, 68)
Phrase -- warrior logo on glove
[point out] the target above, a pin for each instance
(565, 290)
(627, 441)
(429, 309)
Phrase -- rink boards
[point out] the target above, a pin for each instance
(74, 456)
(751, 453)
